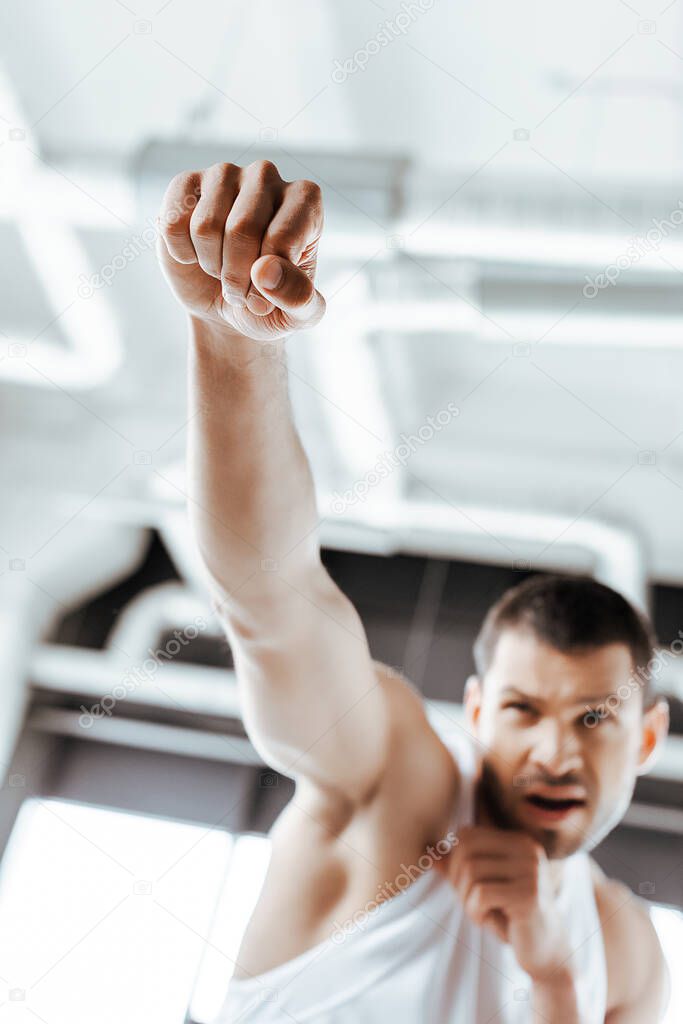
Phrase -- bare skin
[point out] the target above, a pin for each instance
(375, 786)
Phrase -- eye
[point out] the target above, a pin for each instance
(595, 718)
(520, 706)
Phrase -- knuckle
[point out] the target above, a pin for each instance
(307, 190)
(302, 291)
(283, 240)
(206, 226)
(224, 170)
(174, 225)
(231, 278)
(181, 181)
(179, 202)
(264, 170)
(242, 231)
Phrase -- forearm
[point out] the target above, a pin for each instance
(251, 494)
(556, 1000)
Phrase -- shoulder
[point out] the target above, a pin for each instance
(636, 970)
(420, 775)
(415, 744)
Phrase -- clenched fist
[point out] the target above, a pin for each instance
(504, 884)
(238, 246)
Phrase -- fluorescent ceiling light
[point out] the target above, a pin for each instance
(93, 350)
(621, 331)
(454, 317)
(584, 251)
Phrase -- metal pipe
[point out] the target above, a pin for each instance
(198, 689)
(484, 533)
(154, 611)
(80, 558)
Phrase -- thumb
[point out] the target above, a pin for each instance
(289, 288)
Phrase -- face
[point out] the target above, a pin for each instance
(551, 767)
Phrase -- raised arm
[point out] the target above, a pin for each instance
(238, 247)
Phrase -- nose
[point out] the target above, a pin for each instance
(555, 748)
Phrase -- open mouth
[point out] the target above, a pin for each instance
(548, 804)
(547, 810)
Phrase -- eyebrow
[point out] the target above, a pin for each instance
(512, 691)
(600, 699)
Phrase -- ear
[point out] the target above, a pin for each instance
(472, 702)
(655, 728)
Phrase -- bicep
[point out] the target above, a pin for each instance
(649, 1005)
(640, 968)
(648, 1008)
(311, 699)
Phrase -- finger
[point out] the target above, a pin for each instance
(259, 195)
(294, 229)
(496, 842)
(178, 204)
(297, 223)
(486, 897)
(488, 869)
(288, 288)
(473, 843)
(219, 188)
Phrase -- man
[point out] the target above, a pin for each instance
(514, 922)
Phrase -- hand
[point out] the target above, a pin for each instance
(238, 246)
(504, 882)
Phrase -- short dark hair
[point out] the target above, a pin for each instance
(572, 614)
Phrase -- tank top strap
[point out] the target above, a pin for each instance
(579, 907)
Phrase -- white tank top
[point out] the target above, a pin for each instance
(418, 958)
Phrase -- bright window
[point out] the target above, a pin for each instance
(103, 914)
(669, 926)
(110, 916)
